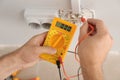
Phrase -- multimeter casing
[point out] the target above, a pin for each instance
(59, 37)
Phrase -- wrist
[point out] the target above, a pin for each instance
(94, 72)
(9, 64)
(90, 60)
(16, 60)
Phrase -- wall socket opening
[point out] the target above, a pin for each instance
(46, 25)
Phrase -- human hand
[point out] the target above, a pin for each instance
(29, 53)
(93, 50)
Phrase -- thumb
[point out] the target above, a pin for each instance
(45, 49)
(83, 30)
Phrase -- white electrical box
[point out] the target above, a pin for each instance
(41, 16)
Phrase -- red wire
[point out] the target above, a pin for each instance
(83, 38)
(67, 77)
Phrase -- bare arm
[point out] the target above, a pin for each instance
(8, 65)
(92, 73)
(93, 50)
(24, 57)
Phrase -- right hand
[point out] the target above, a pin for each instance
(93, 50)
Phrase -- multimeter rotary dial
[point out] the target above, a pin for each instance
(57, 41)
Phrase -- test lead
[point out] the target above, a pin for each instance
(58, 66)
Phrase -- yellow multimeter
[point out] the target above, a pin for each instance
(59, 37)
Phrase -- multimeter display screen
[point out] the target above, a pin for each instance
(63, 26)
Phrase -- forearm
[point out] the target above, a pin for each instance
(9, 64)
(92, 73)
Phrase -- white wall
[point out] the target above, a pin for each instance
(14, 30)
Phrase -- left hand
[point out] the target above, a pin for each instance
(29, 53)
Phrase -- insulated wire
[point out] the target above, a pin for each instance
(58, 62)
(83, 38)
(60, 73)
(78, 73)
(67, 77)
(71, 51)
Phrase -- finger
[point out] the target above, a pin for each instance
(38, 39)
(83, 29)
(93, 21)
(99, 24)
(40, 36)
(45, 49)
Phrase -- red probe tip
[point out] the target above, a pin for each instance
(83, 19)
